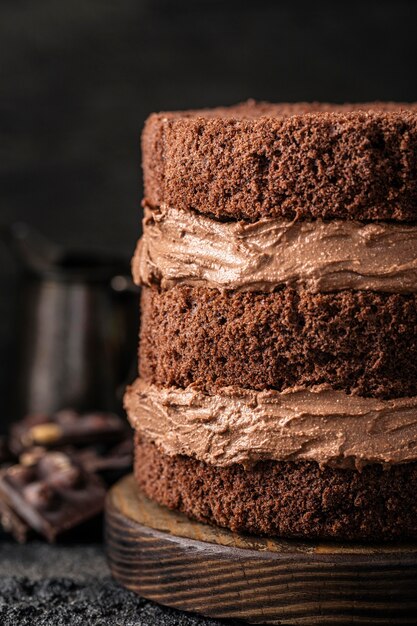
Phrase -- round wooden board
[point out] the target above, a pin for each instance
(165, 557)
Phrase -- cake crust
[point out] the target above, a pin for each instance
(284, 498)
(305, 161)
(358, 342)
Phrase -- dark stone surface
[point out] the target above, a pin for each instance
(43, 585)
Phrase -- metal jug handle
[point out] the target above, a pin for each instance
(123, 287)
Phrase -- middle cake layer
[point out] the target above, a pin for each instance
(359, 342)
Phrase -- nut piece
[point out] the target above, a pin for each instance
(45, 434)
(32, 456)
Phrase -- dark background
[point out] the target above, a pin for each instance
(79, 77)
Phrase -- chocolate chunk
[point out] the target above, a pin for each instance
(116, 457)
(20, 475)
(66, 427)
(41, 496)
(10, 520)
(12, 523)
(53, 494)
(67, 416)
(59, 470)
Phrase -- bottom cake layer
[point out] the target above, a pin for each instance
(284, 498)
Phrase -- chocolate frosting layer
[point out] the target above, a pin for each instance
(182, 247)
(243, 426)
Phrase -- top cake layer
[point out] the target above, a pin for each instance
(254, 160)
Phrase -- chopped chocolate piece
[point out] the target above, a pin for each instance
(54, 494)
(41, 496)
(21, 475)
(110, 463)
(10, 520)
(12, 523)
(59, 470)
(66, 427)
(66, 416)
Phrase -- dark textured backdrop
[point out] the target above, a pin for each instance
(79, 77)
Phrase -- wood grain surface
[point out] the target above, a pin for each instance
(165, 557)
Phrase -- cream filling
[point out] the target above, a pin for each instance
(244, 426)
(180, 247)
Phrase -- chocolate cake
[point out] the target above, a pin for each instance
(278, 354)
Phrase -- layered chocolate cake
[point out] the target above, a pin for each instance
(278, 353)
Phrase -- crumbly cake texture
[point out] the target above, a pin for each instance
(358, 342)
(253, 160)
(287, 499)
(285, 161)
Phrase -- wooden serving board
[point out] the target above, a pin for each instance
(165, 557)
